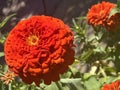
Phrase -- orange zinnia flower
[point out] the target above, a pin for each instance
(39, 48)
(98, 14)
(7, 77)
(113, 86)
(113, 23)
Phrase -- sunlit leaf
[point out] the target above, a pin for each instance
(86, 55)
(91, 37)
(52, 86)
(5, 20)
(114, 11)
(110, 69)
(75, 24)
(72, 84)
(86, 76)
(2, 39)
(1, 54)
(92, 84)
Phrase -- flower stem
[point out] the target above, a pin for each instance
(9, 86)
(103, 72)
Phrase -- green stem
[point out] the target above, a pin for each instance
(9, 86)
(3, 87)
(102, 72)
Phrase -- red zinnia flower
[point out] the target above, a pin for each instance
(113, 23)
(98, 14)
(113, 86)
(39, 48)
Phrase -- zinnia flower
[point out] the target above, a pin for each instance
(113, 86)
(98, 14)
(39, 48)
(113, 23)
(7, 77)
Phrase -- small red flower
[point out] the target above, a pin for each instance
(98, 13)
(113, 86)
(39, 48)
(113, 23)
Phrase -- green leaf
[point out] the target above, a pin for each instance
(66, 75)
(3, 37)
(110, 79)
(82, 18)
(86, 55)
(5, 68)
(100, 34)
(75, 62)
(1, 54)
(24, 87)
(110, 69)
(92, 84)
(5, 20)
(52, 86)
(91, 38)
(107, 79)
(59, 85)
(73, 70)
(86, 76)
(114, 11)
(75, 24)
(116, 78)
(72, 84)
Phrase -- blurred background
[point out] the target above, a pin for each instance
(63, 9)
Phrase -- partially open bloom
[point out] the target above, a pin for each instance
(39, 48)
(98, 13)
(7, 77)
(113, 86)
(113, 23)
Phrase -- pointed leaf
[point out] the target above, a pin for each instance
(92, 84)
(72, 84)
(5, 20)
(114, 11)
(1, 54)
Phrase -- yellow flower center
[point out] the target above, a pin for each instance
(32, 40)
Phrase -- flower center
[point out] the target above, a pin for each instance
(32, 40)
